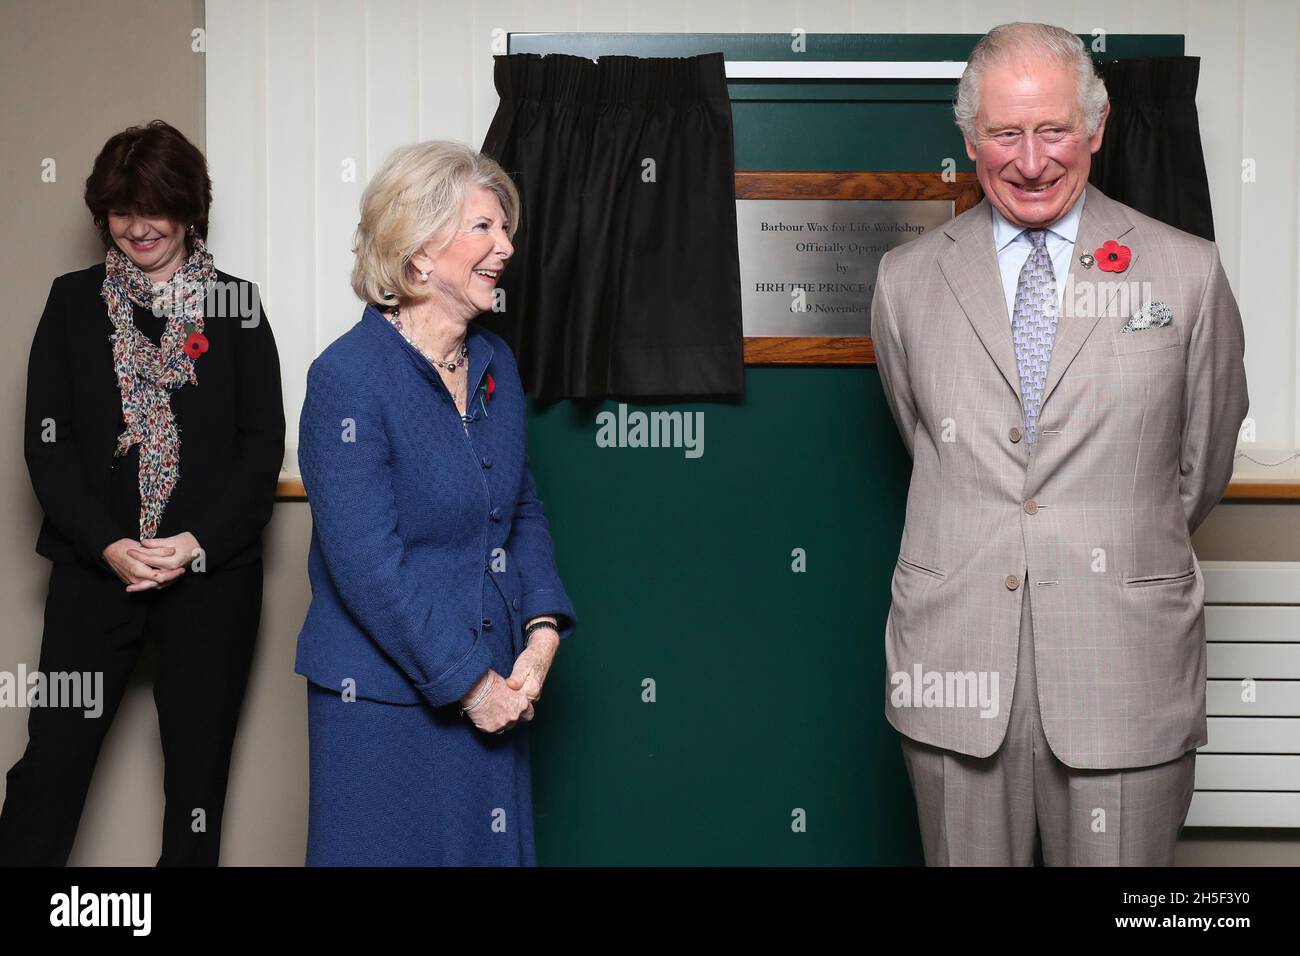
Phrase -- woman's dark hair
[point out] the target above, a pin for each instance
(152, 171)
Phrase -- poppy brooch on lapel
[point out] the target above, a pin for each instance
(1112, 257)
(485, 393)
(196, 343)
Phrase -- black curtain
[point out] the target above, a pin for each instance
(626, 277)
(1150, 156)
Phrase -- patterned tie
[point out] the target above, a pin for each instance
(1033, 326)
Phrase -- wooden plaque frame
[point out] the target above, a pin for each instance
(962, 188)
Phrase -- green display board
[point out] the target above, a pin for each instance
(768, 684)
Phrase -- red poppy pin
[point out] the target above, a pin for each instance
(485, 393)
(196, 343)
(1112, 257)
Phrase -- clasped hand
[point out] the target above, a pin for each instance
(152, 563)
(511, 698)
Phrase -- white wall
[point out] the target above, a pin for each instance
(296, 89)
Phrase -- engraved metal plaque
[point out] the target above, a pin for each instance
(808, 266)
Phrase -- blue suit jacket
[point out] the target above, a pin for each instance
(408, 515)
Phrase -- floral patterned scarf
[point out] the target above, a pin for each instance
(147, 374)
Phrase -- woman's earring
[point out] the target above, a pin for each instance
(424, 277)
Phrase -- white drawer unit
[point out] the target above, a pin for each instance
(1248, 775)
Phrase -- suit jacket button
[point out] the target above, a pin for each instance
(514, 603)
(487, 623)
(1031, 507)
(1014, 434)
(495, 514)
(487, 462)
(1013, 582)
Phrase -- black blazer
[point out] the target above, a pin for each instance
(231, 427)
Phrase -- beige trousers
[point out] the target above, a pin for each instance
(990, 811)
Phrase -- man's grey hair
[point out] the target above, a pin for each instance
(1029, 43)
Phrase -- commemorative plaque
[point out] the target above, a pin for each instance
(810, 244)
(808, 266)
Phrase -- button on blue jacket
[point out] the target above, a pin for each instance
(424, 529)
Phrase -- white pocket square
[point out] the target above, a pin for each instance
(1153, 315)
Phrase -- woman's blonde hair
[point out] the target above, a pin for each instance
(418, 194)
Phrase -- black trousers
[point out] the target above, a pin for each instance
(205, 625)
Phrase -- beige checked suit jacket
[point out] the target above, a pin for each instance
(1136, 439)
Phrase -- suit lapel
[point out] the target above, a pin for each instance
(970, 266)
(1102, 219)
(480, 356)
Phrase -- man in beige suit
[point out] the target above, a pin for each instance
(1067, 376)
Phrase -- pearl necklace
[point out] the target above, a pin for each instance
(449, 366)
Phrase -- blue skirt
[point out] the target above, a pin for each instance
(415, 785)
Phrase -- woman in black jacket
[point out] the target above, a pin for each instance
(154, 436)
